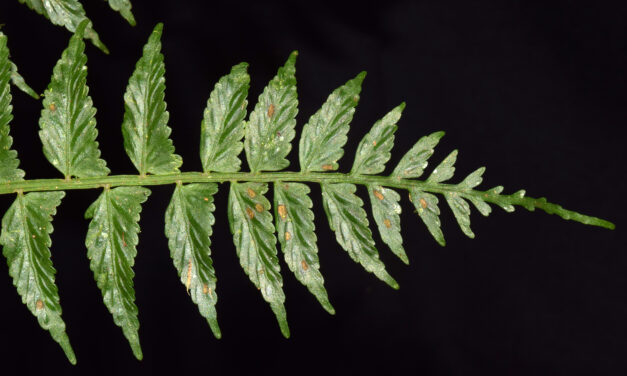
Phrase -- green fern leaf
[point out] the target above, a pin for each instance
(9, 163)
(374, 149)
(67, 122)
(427, 207)
(188, 222)
(253, 234)
(295, 228)
(386, 212)
(348, 220)
(21, 84)
(145, 127)
(414, 162)
(444, 170)
(324, 135)
(67, 13)
(25, 238)
(270, 130)
(461, 211)
(223, 125)
(124, 7)
(111, 248)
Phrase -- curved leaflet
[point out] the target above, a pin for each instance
(111, 241)
(253, 234)
(25, 240)
(188, 222)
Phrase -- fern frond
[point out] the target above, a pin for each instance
(68, 131)
(67, 13)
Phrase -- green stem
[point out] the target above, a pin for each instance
(490, 196)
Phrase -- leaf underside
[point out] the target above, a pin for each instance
(295, 229)
(111, 248)
(68, 133)
(145, 127)
(270, 130)
(188, 222)
(348, 220)
(25, 239)
(324, 135)
(223, 125)
(67, 122)
(253, 234)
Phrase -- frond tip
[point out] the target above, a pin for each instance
(68, 133)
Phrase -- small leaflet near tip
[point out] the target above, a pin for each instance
(349, 221)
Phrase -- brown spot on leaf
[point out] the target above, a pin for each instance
(39, 304)
(423, 203)
(259, 207)
(387, 223)
(304, 265)
(374, 143)
(206, 198)
(250, 212)
(52, 107)
(288, 236)
(327, 167)
(378, 195)
(270, 110)
(251, 193)
(282, 211)
(205, 289)
(189, 276)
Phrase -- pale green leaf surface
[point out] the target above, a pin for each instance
(473, 179)
(295, 228)
(124, 7)
(414, 162)
(111, 248)
(427, 207)
(21, 84)
(25, 239)
(145, 127)
(374, 149)
(251, 224)
(9, 163)
(68, 124)
(188, 222)
(324, 135)
(461, 210)
(348, 220)
(386, 212)
(223, 125)
(444, 170)
(270, 129)
(67, 13)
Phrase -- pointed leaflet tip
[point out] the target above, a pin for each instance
(324, 136)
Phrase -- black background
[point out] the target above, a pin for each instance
(534, 91)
